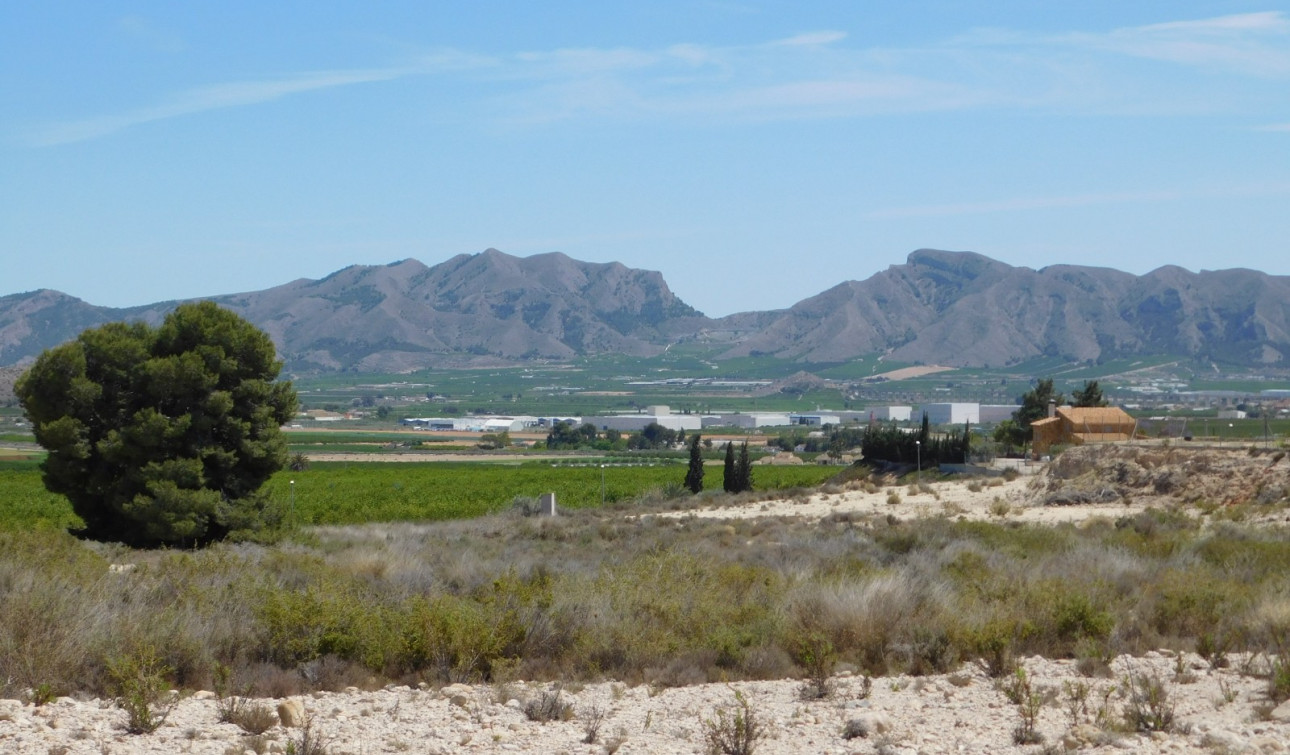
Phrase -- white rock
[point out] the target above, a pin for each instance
(291, 713)
(452, 690)
(875, 723)
(1281, 712)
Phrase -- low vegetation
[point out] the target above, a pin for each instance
(620, 593)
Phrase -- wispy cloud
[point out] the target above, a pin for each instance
(812, 38)
(217, 97)
(812, 74)
(817, 74)
(254, 92)
(1283, 127)
(1250, 43)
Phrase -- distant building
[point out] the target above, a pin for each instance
(638, 422)
(991, 413)
(481, 424)
(952, 413)
(747, 420)
(891, 413)
(546, 422)
(815, 420)
(1080, 425)
(1231, 414)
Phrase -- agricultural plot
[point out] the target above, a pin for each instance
(354, 493)
(24, 502)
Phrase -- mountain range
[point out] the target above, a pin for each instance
(948, 308)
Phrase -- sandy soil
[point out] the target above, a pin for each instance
(1130, 479)
(1215, 711)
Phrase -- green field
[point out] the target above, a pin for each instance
(24, 502)
(354, 493)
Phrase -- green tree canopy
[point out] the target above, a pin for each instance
(162, 436)
(1034, 404)
(652, 436)
(1089, 395)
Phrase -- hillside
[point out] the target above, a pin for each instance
(950, 308)
(964, 309)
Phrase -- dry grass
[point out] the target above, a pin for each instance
(636, 597)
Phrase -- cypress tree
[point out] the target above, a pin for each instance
(729, 482)
(694, 475)
(743, 470)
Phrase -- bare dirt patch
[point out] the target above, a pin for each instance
(906, 373)
(1083, 483)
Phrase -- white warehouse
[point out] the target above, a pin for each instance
(749, 420)
(891, 413)
(638, 422)
(952, 413)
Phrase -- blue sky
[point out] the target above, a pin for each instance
(756, 153)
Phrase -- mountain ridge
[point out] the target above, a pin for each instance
(952, 308)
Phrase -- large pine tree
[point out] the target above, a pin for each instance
(162, 436)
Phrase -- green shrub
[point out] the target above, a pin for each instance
(1188, 603)
(734, 731)
(1148, 707)
(815, 654)
(993, 643)
(139, 681)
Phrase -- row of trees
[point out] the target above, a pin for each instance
(834, 440)
(888, 442)
(736, 474)
(567, 436)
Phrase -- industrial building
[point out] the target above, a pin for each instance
(952, 413)
(815, 420)
(747, 420)
(661, 415)
(890, 413)
(991, 413)
(482, 424)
